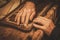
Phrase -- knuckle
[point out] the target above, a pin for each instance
(50, 21)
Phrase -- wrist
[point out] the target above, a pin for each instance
(30, 4)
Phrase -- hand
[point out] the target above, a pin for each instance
(26, 13)
(45, 24)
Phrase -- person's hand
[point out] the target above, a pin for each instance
(43, 23)
(26, 14)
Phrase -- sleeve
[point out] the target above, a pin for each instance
(51, 14)
(55, 35)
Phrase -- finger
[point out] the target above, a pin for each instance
(29, 26)
(32, 15)
(41, 20)
(40, 27)
(19, 13)
(18, 21)
(28, 16)
(23, 16)
(37, 26)
(18, 18)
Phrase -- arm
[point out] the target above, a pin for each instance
(46, 23)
